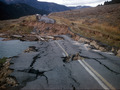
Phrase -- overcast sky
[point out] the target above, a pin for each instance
(77, 2)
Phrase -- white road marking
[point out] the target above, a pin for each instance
(63, 54)
(102, 82)
(99, 76)
(62, 48)
(93, 75)
(40, 38)
(86, 48)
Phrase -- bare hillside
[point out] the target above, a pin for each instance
(101, 23)
(108, 13)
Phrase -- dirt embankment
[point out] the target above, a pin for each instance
(6, 81)
(23, 29)
(47, 29)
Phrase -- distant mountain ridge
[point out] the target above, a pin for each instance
(50, 7)
(13, 11)
(79, 7)
(17, 1)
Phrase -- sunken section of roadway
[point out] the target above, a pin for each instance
(66, 64)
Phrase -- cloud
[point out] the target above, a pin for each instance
(77, 2)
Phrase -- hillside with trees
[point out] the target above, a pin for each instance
(112, 2)
(12, 11)
(50, 7)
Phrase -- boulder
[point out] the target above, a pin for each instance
(84, 40)
(47, 20)
(31, 49)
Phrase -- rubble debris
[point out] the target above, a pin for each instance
(31, 49)
(73, 58)
(5, 80)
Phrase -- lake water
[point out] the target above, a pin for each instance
(13, 47)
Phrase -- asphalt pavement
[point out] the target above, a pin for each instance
(66, 64)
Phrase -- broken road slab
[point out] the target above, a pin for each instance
(23, 61)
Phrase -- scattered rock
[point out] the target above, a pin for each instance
(94, 44)
(16, 36)
(11, 81)
(118, 53)
(47, 37)
(67, 59)
(2, 34)
(73, 58)
(77, 57)
(5, 80)
(29, 38)
(84, 40)
(6, 39)
(33, 33)
(112, 49)
(38, 16)
(31, 49)
(58, 38)
(47, 28)
(102, 49)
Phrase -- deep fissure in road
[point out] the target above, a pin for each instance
(34, 59)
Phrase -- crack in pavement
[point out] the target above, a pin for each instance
(66, 59)
(45, 61)
(71, 58)
(34, 59)
(87, 57)
(70, 73)
(65, 47)
(73, 87)
(46, 79)
(117, 73)
(37, 73)
(105, 57)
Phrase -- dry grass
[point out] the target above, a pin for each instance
(102, 32)
(59, 20)
(17, 26)
(100, 23)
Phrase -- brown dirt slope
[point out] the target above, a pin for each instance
(25, 25)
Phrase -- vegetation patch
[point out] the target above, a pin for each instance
(2, 61)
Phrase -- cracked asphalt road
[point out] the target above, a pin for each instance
(46, 68)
